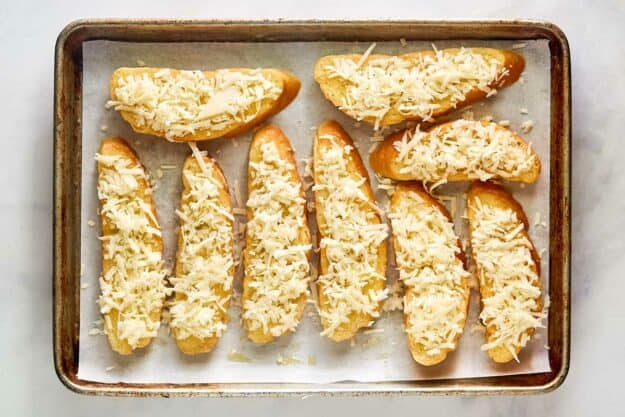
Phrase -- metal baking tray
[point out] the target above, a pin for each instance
(67, 181)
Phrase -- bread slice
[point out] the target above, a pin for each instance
(131, 297)
(432, 266)
(204, 271)
(351, 284)
(278, 245)
(184, 106)
(508, 268)
(385, 90)
(457, 151)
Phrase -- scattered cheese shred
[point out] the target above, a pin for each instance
(372, 341)
(478, 150)
(511, 305)
(236, 356)
(352, 236)
(527, 126)
(373, 331)
(203, 278)
(237, 194)
(179, 103)
(133, 284)
(413, 87)
(277, 268)
(426, 251)
(287, 360)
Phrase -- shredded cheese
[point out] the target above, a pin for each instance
(352, 234)
(276, 267)
(179, 103)
(203, 280)
(509, 282)
(133, 280)
(426, 251)
(415, 86)
(527, 126)
(472, 149)
(236, 356)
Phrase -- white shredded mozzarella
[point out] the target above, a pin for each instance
(351, 237)
(426, 250)
(203, 280)
(507, 272)
(132, 282)
(473, 149)
(416, 86)
(276, 261)
(178, 103)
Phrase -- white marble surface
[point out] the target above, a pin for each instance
(28, 385)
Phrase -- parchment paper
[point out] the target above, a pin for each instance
(381, 356)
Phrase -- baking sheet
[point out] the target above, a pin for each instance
(380, 355)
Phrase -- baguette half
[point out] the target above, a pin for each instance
(457, 151)
(432, 266)
(204, 270)
(508, 269)
(351, 284)
(132, 296)
(185, 106)
(385, 90)
(278, 244)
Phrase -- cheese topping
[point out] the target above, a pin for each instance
(473, 149)
(426, 251)
(352, 234)
(415, 87)
(132, 283)
(276, 267)
(179, 103)
(203, 281)
(507, 270)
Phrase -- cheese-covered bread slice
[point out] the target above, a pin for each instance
(432, 266)
(132, 284)
(204, 270)
(278, 245)
(351, 284)
(385, 90)
(508, 269)
(457, 151)
(185, 106)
